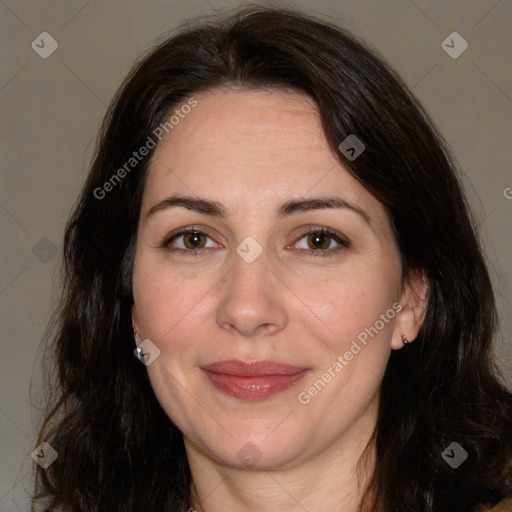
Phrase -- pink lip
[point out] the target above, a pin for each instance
(253, 381)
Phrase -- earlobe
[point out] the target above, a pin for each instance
(404, 331)
(410, 318)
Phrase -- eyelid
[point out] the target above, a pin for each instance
(323, 229)
(333, 234)
(342, 241)
(184, 231)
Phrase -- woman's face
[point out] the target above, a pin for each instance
(261, 282)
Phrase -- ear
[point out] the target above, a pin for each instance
(414, 301)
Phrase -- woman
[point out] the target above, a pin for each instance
(235, 154)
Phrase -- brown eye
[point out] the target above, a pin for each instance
(194, 240)
(322, 242)
(319, 240)
(188, 241)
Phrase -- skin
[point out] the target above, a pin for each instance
(252, 151)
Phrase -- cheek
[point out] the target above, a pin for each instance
(165, 299)
(354, 349)
(351, 303)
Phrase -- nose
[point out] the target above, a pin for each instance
(253, 299)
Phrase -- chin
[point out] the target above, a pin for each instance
(259, 451)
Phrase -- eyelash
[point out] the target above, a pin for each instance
(343, 243)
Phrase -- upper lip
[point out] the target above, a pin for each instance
(253, 368)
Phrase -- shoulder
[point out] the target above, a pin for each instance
(503, 506)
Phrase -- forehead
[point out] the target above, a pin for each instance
(276, 125)
(259, 147)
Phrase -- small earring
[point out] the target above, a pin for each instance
(405, 341)
(137, 337)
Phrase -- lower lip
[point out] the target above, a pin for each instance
(253, 388)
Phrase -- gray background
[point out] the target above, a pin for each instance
(51, 110)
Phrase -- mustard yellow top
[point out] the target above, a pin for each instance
(503, 506)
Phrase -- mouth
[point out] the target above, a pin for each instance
(256, 380)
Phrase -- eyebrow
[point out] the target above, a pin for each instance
(216, 209)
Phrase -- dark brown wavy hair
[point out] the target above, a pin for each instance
(118, 450)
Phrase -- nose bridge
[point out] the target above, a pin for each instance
(249, 274)
(249, 298)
